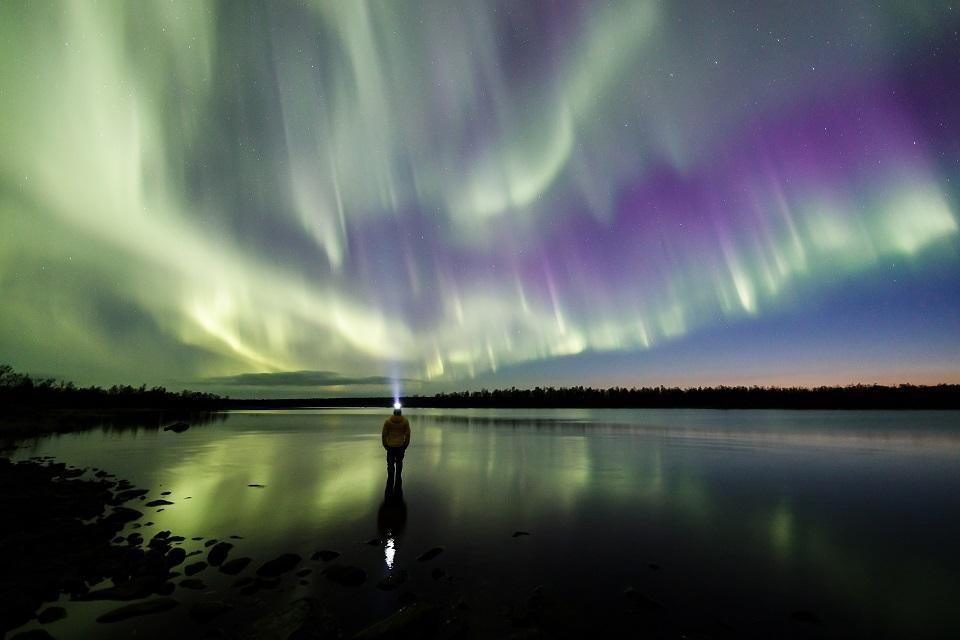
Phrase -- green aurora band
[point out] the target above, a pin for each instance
(437, 192)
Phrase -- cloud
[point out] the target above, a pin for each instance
(303, 379)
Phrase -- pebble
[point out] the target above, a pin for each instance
(218, 553)
(430, 554)
(279, 565)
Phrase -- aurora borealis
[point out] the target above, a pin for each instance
(337, 197)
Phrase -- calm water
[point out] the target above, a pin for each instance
(747, 516)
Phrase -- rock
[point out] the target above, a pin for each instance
(236, 537)
(325, 554)
(235, 566)
(437, 573)
(122, 515)
(242, 582)
(147, 607)
(374, 542)
(195, 568)
(218, 553)
(159, 545)
(256, 486)
(74, 586)
(654, 566)
(345, 575)
(193, 583)
(51, 614)
(176, 539)
(210, 542)
(304, 572)
(208, 610)
(135, 539)
(517, 534)
(157, 503)
(135, 589)
(279, 565)
(165, 493)
(412, 621)
(162, 535)
(197, 538)
(176, 557)
(267, 583)
(177, 427)
(129, 494)
(430, 554)
(18, 609)
(33, 634)
(807, 617)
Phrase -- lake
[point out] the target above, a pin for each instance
(746, 523)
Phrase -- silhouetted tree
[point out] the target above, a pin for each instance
(21, 390)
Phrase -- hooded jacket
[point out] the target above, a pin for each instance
(396, 432)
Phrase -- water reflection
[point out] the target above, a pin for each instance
(825, 506)
(28, 429)
(391, 520)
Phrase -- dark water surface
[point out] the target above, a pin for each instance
(726, 519)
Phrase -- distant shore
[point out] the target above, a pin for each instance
(36, 405)
(939, 397)
(855, 397)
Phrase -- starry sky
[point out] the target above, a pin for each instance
(348, 197)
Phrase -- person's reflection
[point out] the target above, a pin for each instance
(391, 517)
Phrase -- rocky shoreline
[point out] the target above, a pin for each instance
(72, 535)
(61, 538)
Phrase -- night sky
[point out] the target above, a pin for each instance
(344, 197)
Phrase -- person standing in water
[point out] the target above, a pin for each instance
(396, 439)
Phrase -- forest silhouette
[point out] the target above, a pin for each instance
(19, 390)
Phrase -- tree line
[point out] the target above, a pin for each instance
(23, 390)
(856, 396)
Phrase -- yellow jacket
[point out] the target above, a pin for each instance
(396, 432)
